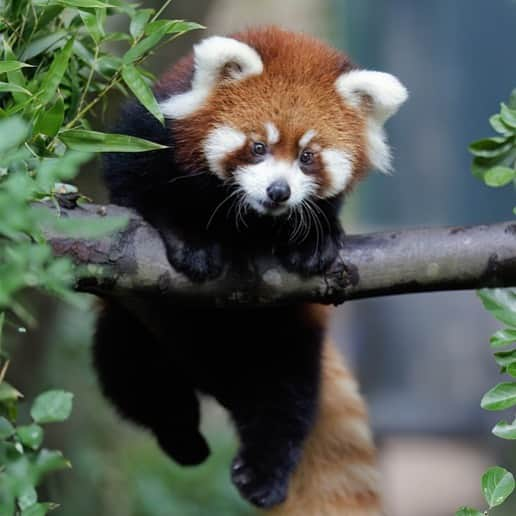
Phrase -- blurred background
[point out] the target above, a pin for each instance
(423, 360)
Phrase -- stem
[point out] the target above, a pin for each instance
(94, 102)
(161, 9)
(90, 77)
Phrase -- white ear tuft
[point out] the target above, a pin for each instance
(380, 95)
(386, 93)
(216, 60)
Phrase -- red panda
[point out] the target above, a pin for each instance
(266, 131)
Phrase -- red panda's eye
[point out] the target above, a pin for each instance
(307, 157)
(259, 149)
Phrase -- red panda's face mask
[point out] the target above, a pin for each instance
(280, 121)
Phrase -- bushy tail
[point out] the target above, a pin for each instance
(337, 475)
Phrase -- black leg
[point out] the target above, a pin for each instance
(271, 444)
(200, 259)
(274, 408)
(137, 376)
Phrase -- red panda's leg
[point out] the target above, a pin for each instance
(124, 353)
(275, 403)
(337, 473)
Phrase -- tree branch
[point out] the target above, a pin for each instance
(377, 264)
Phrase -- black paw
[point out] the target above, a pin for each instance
(198, 263)
(186, 450)
(311, 257)
(260, 487)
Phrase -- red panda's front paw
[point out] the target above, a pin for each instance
(311, 257)
(197, 263)
(262, 488)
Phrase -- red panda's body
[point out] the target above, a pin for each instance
(266, 132)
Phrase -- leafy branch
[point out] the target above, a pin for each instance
(494, 163)
(56, 67)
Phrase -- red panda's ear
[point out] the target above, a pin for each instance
(216, 60)
(379, 95)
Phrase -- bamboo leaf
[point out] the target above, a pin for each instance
(143, 46)
(11, 65)
(10, 87)
(136, 83)
(93, 141)
(55, 74)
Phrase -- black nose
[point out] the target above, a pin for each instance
(279, 191)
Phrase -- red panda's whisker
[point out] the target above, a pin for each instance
(174, 179)
(217, 208)
(321, 212)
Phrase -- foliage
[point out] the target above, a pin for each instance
(495, 164)
(495, 157)
(55, 68)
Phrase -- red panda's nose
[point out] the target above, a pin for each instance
(279, 191)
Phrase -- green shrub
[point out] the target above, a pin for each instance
(55, 68)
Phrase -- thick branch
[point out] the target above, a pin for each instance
(377, 264)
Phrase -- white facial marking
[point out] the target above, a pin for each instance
(255, 179)
(307, 138)
(221, 142)
(273, 134)
(339, 167)
(387, 94)
(212, 57)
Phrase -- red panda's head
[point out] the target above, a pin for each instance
(280, 115)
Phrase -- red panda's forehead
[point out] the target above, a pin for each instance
(292, 106)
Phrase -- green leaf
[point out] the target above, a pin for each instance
(9, 393)
(511, 369)
(30, 435)
(498, 125)
(27, 498)
(505, 430)
(501, 303)
(512, 99)
(497, 485)
(50, 121)
(490, 147)
(139, 21)
(96, 228)
(50, 460)
(93, 141)
(136, 83)
(171, 26)
(500, 397)
(508, 116)
(52, 407)
(40, 45)
(505, 358)
(39, 509)
(143, 46)
(10, 87)
(6, 429)
(503, 338)
(52, 79)
(10, 66)
(94, 25)
(499, 176)
(468, 511)
(13, 132)
(94, 4)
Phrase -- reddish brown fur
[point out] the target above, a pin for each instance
(296, 92)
